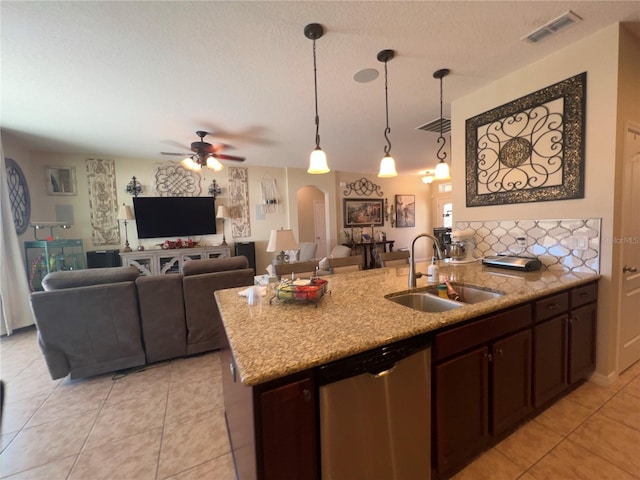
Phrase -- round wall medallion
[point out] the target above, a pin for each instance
(18, 196)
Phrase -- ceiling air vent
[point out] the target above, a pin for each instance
(434, 125)
(554, 26)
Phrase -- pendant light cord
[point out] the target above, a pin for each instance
(387, 131)
(441, 154)
(315, 87)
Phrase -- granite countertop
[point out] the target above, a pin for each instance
(276, 338)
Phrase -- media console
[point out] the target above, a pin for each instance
(160, 262)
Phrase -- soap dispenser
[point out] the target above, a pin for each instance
(432, 272)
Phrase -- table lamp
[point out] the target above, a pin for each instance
(279, 241)
(223, 213)
(126, 214)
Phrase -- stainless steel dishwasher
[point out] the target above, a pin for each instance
(375, 414)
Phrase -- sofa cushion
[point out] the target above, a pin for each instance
(196, 267)
(162, 316)
(93, 276)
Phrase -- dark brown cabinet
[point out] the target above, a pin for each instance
(481, 392)
(550, 359)
(462, 406)
(564, 341)
(582, 342)
(550, 348)
(511, 381)
(272, 426)
(288, 438)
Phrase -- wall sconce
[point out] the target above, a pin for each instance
(389, 213)
(215, 189)
(134, 187)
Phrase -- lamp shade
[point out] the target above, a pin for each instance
(442, 171)
(318, 162)
(387, 168)
(280, 240)
(125, 213)
(222, 212)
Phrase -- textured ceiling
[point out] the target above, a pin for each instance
(132, 79)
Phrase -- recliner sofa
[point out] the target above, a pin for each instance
(102, 320)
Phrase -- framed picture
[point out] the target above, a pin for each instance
(530, 149)
(61, 181)
(405, 211)
(363, 212)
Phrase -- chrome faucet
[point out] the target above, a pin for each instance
(413, 275)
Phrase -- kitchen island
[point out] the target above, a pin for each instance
(273, 347)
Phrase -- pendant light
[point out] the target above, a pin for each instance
(388, 164)
(442, 169)
(317, 159)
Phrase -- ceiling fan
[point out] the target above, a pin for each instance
(204, 154)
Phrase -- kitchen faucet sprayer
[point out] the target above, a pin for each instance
(413, 275)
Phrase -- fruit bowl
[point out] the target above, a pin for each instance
(301, 292)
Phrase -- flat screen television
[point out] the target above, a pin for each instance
(158, 217)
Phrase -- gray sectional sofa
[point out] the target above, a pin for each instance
(102, 320)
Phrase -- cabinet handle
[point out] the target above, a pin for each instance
(306, 395)
(232, 370)
(553, 306)
(500, 352)
(488, 356)
(583, 294)
(626, 269)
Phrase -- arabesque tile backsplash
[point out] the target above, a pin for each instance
(570, 244)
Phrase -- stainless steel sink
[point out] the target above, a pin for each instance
(470, 294)
(425, 302)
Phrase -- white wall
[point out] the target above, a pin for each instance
(598, 56)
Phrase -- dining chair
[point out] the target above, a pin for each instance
(352, 263)
(394, 259)
(299, 269)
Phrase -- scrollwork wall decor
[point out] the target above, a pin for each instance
(363, 187)
(18, 195)
(530, 149)
(173, 180)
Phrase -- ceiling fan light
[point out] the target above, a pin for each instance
(214, 164)
(189, 164)
(387, 167)
(442, 171)
(318, 162)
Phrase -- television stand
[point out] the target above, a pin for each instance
(161, 262)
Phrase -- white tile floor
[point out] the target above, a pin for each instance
(167, 422)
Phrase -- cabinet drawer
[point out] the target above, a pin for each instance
(481, 331)
(584, 294)
(551, 306)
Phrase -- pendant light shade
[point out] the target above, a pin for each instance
(317, 159)
(318, 162)
(387, 164)
(442, 169)
(387, 168)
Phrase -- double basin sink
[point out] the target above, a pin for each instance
(427, 300)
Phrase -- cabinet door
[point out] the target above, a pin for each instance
(288, 419)
(511, 384)
(582, 342)
(462, 409)
(549, 359)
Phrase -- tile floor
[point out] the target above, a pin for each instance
(167, 422)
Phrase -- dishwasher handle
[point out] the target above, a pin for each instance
(385, 372)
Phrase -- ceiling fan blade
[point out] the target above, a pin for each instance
(177, 154)
(222, 156)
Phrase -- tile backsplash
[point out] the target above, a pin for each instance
(569, 244)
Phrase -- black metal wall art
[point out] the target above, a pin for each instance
(530, 149)
(363, 187)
